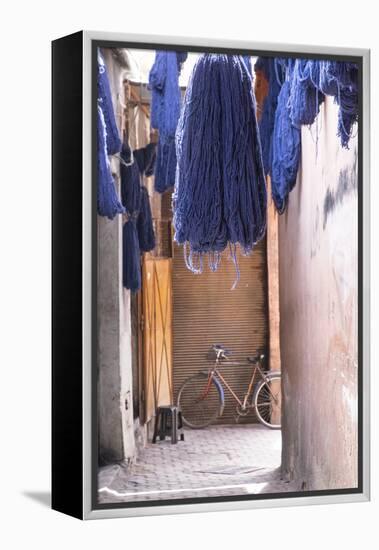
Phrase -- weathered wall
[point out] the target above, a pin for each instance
(318, 306)
(115, 411)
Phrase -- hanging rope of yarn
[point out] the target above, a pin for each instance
(305, 98)
(108, 203)
(165, 111)
(340, 80)
(108, 142)
(286, 150)
(131, 257)
(307, 83)
(104, 98)
(138, 231)
(220, 192)
(145, 229)
(131, 199)
(266, 124)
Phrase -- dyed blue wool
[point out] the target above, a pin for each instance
(286, 151)
(131, 199)
(104, 99)
(305, 98)
(131, 264)
(340, 80)
(165, 110)
(108, 203)
(145, 229)
(266, 123)
(108, 142)
(138, 231)
(220, 190)
(346, 75)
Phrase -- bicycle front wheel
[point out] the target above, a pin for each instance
(200, 401)
(267, 401)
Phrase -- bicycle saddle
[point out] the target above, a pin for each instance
(256, 358)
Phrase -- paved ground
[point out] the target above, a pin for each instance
(217, 461)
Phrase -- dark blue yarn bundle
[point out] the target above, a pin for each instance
(145, 229)
(104, 99)
(305, 98)
(108, 142)
(131, 198)
(131, 265)
(165, 110)
(273, 74)
(220, 190)
(138, 231)
(298, 103)
(340, 80)
(286, 150)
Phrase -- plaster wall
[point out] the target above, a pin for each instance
(318, 280)
(115, 397)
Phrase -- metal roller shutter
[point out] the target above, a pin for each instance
(206, 311)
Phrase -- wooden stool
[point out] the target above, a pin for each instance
(168, 421)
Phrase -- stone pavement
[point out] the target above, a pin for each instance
(216, 461)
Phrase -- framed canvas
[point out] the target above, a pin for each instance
(210, 275)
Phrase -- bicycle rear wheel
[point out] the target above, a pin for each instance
(200, 401)
(267, 401)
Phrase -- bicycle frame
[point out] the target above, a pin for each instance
(215, 373)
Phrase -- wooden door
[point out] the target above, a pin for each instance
(157, 334)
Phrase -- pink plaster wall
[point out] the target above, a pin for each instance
(318, 312)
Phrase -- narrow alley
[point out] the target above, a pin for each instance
(217, 461)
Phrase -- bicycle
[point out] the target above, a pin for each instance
(202, 398)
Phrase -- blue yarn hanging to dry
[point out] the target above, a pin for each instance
(286, 151)
(130, 181)
(220, 191)
(131, 199)
(145, 229)
(165, 110)
(346, 76)
(272, 70)
(131, 258)
(108, 142)
(138, 231)
(305, 98)
(339, 80)
(108, 203)
(104, 98)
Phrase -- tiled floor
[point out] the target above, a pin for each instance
(217, 461)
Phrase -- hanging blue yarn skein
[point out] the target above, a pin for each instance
(131, 258)
(305, 99)
(108, 203)
(286, 151)
(131, 199)
(220, 191)
(268, 66)
(104, 98)
(165, 111)
(130, 181)
(347, 100)
(138, 231)
(145, 229)
(340, 80)
(108, 142)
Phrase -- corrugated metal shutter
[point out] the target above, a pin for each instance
(206, 311)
